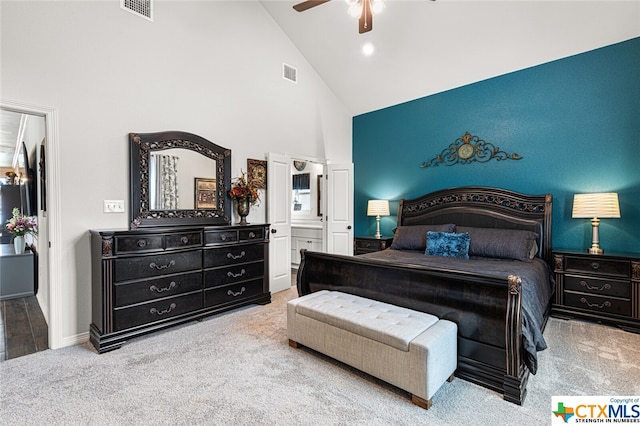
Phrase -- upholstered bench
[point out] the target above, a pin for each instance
(412, 350)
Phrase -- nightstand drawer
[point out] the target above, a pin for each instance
(370, 244)
(598, 304)
(598, 286)
(597, 266)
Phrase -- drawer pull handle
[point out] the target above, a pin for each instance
(595, 266)
(606, 286)
(184, 240)
(232, 275)
(234, 294)
(606, 304)
(172, 284)
(232, 256)
(166, 311)
(153, 265)
(252, 234)
(141, 243)
(223, 237)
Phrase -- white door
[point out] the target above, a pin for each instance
(279, 216)
(339, 218)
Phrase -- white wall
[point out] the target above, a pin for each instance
(209, 68)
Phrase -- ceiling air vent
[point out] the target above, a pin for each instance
(142, 8)
(289, 73)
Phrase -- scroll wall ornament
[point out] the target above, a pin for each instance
(468, 149)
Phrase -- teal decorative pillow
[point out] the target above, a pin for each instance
(447, 244)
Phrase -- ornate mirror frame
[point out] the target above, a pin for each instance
(141, 145)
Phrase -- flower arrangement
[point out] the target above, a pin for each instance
(242, 190)
(20, 224)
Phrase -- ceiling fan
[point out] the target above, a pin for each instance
(361, 9)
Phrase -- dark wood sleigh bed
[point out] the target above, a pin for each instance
(487, 307)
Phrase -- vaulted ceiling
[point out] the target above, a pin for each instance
(424, 47)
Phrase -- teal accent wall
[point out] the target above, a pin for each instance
(575, 122)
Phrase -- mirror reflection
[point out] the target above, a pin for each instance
(181, 179)
(305, 190)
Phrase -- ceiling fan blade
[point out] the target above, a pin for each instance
(365, 23)
(301, 7)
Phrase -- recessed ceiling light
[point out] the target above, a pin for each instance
(368, 49)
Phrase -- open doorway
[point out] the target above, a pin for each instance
(307, 224)
(23, 282)
(49, 262)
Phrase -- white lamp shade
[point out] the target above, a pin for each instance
(604, 204)
(378, 208)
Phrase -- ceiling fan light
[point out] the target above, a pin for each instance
(355, 8)
(377, 6)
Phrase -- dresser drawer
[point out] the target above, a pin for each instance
(232, 255)
(233, 274)
(251, 234)
(128, 268)
(598, 266)
(156, 310)
(142, 291)
(138, 243)
(598, 304)
(181, 240)
(232, 293)
(220, 237)
(598, 286)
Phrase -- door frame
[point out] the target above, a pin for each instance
(54, 221)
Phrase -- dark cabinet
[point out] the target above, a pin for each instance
(604, 288)
(150, 279)
(364, 245)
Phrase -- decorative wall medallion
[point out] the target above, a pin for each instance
(468, 149)
(257, 173)
(299, 165)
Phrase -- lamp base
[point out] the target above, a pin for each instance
(595, 250)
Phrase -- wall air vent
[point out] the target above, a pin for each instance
(142, 8)
(289, 73)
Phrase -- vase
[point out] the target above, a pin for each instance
(18, 244)
(243, 210)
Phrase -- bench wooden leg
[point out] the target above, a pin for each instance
(450, 379)
(294, 344)
(421, 402)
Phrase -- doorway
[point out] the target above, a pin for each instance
(49, 225)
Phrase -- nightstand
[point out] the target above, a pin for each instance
(364, 245)
(603, 288)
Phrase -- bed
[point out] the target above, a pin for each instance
(500, 296)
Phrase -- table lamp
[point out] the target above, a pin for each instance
(378, 208)
(595, 206)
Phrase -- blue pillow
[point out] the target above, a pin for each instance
(447, 244)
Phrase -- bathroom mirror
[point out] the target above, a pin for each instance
(178, 178)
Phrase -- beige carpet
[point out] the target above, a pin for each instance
(237, 368)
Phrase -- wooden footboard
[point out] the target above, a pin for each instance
(487, 310)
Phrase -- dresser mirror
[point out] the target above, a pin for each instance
(178, 178)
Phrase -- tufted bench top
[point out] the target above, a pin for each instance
(388, 324)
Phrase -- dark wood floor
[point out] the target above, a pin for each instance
(23, 329)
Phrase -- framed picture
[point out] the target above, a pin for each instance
(257, 173)
(205, 194)
(319, 194)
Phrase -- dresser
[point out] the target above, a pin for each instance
(364, 245)
(153, 278)
(603, 288)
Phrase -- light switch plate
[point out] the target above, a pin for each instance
(113, 206)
